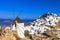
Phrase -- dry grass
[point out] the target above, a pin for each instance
(7, 34)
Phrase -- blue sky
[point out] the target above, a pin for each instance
(27, 9)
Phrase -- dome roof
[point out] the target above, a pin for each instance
(17, 19)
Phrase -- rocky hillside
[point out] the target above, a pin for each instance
(48, 19)
(45, 27)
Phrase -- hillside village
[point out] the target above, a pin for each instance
(45, 27)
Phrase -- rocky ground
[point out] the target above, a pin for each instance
(7, 34)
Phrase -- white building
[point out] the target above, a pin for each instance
(37, 25)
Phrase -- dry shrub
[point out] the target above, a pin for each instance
(57, 25)
(15, 34)
(7, 35)
(26, 33)
(42, 38)
(52, 34)
(55, 38)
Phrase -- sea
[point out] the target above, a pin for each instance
(8, 22)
